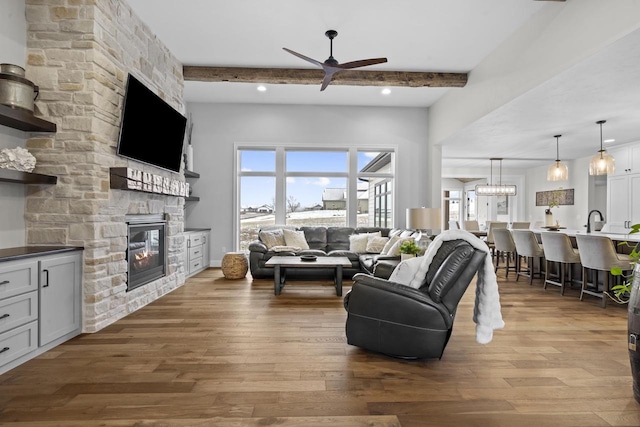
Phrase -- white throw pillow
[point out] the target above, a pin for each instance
(387, 247)
(295, 238)
(272, 238)
(395, 249)
(375, 244)
(358, 242)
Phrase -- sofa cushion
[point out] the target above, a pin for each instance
(339, 252)
(295, 239)
(338, 238)
(272, 238)
(316, 237)
(316, 252)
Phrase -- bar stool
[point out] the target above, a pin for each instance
(505, 247)
(493, 225)
(527, 246)
(598, 253)
(558, 249)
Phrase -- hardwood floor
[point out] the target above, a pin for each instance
(220, 352)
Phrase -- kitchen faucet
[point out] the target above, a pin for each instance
(589, 219)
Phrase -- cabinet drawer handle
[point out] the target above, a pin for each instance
(4, 282)
(196, 252)
(4, 316)
(196, 265)
(46, 283)
(4, 349)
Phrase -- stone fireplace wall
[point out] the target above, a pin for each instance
(79, 53)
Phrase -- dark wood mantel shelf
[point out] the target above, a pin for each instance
(24, 120)
(8, 175)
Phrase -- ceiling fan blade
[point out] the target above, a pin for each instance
(328, 75)
(361, 63)
(306, 58)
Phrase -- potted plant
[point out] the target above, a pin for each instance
(629, 293)
(409, 249)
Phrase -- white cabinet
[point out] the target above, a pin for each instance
(627, 159)
(60, 298)
(623, 202)
(18, 310)
(197, 251)
(40, 304)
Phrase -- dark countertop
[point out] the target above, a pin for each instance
(12, 254)
(186, 230)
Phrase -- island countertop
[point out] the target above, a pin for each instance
(634, 238)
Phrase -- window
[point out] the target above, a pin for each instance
(319, 187)
(451, 206)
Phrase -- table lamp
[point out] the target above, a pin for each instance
(424, 220)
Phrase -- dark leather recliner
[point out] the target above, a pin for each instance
(401, 321)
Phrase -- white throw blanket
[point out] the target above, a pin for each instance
(486, 313)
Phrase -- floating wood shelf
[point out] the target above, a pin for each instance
(24, 120)
(123, 178)
(192, 199)
(8, 175)
(191, 174)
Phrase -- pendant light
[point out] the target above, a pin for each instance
(558, 171)
(497, 189)
(602, 163)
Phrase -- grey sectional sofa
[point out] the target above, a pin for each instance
(330, 241)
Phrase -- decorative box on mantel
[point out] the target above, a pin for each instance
(136, 180)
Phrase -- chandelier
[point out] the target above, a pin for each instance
(558, 171)
(492, 189)
(602, 163)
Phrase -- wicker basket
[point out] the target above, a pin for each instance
(235, 265)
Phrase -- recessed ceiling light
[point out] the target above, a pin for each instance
(609, 140)
(386, 91)
(262, 88)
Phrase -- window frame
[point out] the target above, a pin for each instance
(352, 176)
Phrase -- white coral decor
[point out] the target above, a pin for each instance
(18, 159)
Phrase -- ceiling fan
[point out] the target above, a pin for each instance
(331, 65)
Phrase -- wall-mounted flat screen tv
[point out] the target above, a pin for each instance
(151, 130)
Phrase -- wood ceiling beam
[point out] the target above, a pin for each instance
(314, 77)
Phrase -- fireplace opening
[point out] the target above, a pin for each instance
(146, 253)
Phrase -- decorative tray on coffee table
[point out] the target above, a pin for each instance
(308, 258)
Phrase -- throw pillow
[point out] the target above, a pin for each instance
(272, 238)
(395, 249)
(375, 244)
(358, 242)
(285, 249)
(295, 238)
(387, 247)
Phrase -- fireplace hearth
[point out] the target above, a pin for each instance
(146, 249)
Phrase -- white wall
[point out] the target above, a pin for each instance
(13, 39)
(218, 126)
(570, 216)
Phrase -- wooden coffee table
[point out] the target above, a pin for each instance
(282, 263)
